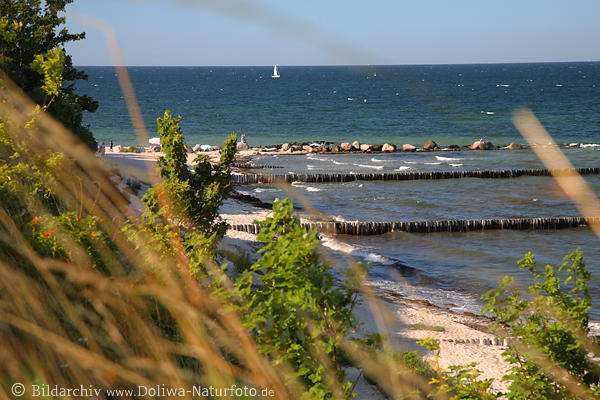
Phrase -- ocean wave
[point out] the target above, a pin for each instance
(379, 160)
(444, 298)
(261, 190)
(355, 251)
(338, 163)
(403, 168)
(432, 163)
(502, 85)
(587, 145)
(312, 189)
(311, 157)
(448, 158)
(369, 166)
(455, 165)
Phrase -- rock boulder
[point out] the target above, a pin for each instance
(430, 145)
(388, 148)
(356, 145)
(514, 146)
(243, 146)
(365, 148)
(408, 147)
(345, 146)
(485, 145)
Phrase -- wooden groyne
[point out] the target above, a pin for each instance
(250, 179)
(255, 166)
(450, 225)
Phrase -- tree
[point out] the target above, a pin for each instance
(28, 30)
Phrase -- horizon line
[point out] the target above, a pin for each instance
(344, 65)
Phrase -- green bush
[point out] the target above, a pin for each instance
(292, 307)
(549, 327)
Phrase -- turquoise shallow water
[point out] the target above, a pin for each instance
(452, 104)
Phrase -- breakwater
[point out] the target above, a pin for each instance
(250, 179)
(451, 225)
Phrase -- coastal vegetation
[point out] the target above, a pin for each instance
(32, 40)
(94, 295)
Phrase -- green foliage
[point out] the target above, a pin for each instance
(51, 66)
(292, 307)
(552, 324)
(197, 194)
(185, 205)
(30, 37)
(53, 236)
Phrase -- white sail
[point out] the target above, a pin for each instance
(275, 72)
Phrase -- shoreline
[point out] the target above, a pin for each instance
(463, 340)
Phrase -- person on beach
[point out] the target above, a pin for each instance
(102, 149)
(111, 146)
(243, 138)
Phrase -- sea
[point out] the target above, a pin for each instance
(450, 104)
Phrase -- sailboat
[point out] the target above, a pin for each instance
(275, 72)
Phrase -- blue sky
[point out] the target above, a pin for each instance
(313, 32)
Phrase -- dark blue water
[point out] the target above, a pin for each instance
(452, 104)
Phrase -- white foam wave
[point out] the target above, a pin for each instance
(261, 190)
(447, 158)
(379, 160)
(503, 85)
(455, 165)
(586, 145)
(297, 184)
(403, 168)
(310, 157)
(450, 299)
(339, 163)
(369, 166)
(432, 163)
(355, 251)
(558, 85)
(312, 189)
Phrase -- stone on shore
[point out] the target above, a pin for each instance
(345, 146)
(408, 147)
(242, 146)
(388, 148)
(514, 146)
(356, 145)
(365, 148)
(308, 149)
(335, 149)
(188, 149)
(324, 149)
(485, 145)
(285, 147)
(376, 147)
(430, 145)
(217, 148)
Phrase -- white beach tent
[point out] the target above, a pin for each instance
(154, 140)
